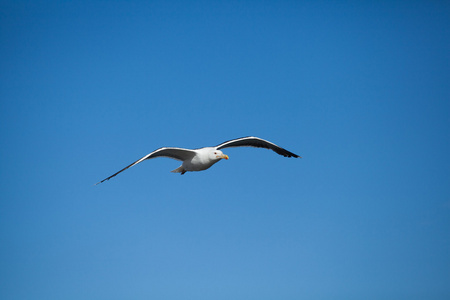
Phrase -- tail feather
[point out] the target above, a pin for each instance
(180, 169)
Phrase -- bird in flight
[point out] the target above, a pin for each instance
(203, 158)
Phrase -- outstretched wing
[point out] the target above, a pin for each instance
(174, 153)
(251, 141)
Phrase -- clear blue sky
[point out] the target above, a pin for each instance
(360, 90)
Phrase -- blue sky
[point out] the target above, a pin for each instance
(360, 90)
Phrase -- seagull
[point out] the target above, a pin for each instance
(203, 158)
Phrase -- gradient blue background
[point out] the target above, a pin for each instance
(360, 90)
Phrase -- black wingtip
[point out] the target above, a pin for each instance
(286, 153)
(103, 180)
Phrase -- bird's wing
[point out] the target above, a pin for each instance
(174, 153)
(251, 141)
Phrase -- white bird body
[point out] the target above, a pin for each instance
(203, 158)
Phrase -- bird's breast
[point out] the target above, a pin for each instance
(198, 163)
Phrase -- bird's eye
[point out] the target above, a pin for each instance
(215, 152)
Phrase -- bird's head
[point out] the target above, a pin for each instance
(217, 154)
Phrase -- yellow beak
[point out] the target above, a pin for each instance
(224, 156)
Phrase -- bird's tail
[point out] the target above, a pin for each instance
(180, 169)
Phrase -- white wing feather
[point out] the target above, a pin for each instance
(170, 152)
